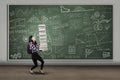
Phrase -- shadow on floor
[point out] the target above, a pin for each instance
(38, 73)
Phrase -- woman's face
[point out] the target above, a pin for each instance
(33, 38)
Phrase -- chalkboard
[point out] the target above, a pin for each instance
(73, 31)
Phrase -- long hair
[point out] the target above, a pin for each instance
(30, 39)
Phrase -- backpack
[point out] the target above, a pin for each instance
(28, 49)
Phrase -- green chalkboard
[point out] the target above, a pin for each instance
(73, 31)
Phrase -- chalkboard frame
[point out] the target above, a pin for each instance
(45, 59)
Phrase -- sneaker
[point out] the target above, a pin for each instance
(41, 71)
(31, 72)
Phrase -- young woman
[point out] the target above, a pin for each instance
(34, 49)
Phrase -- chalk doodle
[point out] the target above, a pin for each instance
(12, 13)
(16, 56)
(104, 49)
(107, 27)
(77, 9)
(106, 54)
(54, 17)
(18, 22)
(86, 19)
(64, 10)
(25, 39)
(44, 19)
(34, 19)
(98, 20)
(88, 52)
(71, 49)
(58, 41)
(81, 9)
(19, 12)
(78, 41)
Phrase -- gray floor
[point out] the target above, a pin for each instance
(60, 73)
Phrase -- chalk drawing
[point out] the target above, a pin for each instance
(59, 50)
(81, 9)
(34, 19)
(77, 9)
(11, 32)
(106, 54)
(44, 19)
(18, 22)
(12, 13)
(102, 39)
(86, 19)
(97, 26)
(71, 49)
(79, 41)
(98, 20)
(20, 31)
(88, 52)
(58, 41)
(53, 17)
(91, 40)
(97, 14)
(49, 41)
(107, 27)
(102, 17)
(64, 10)
(104, 49)
(25, 39)
(105, 42)
(16, 56)
(53, 56)
(12, 38)
(19, 12)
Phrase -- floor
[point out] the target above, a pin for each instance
(61, 73)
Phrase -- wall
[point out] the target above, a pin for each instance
(116, 32)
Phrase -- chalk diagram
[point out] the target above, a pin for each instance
(98, 20)
(76, 9)
(101, 26)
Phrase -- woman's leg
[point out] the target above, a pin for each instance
(42, 62)
(35, 63)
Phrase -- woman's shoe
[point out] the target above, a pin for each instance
(41, 71)
(31, 72)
